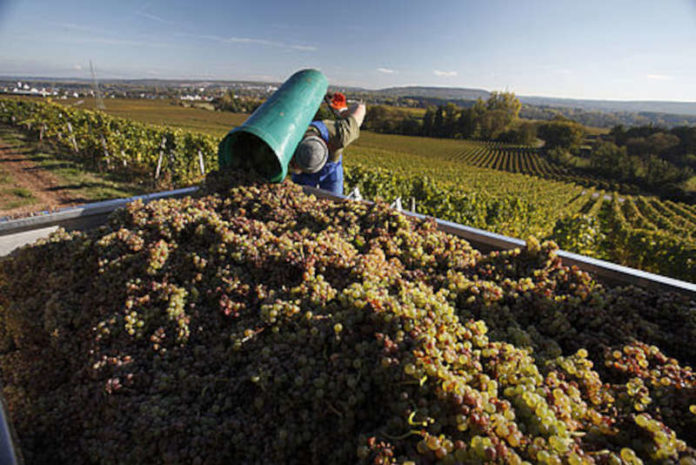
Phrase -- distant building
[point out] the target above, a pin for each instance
(191, 97)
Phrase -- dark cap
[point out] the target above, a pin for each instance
(311, 155)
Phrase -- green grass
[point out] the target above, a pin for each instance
(74, 179)
(21, 192)
(12, 196)
(85, 185)
(15, 197)
(5, 177)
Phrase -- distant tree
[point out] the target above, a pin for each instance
(429, 121)
(438, 124)
(504, 101)
(493, 123)
(661, 172)
(323, 113)
(236, 104)
(467, 125)
(662, 142)
(613, 161)
(410, 125)
(450, 116)
(374, 117)
(618, 134)
(637, 146)
(651, 171)
(524, 134)
(687, 139)
(564, 134)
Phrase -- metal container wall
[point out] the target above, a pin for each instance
(268, 138)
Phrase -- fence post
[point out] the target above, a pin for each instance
(159, 160)
(106, 153)
(159, 164)
(200, 162)
(355, 194)
(170, 157)
(413, 204)
(72, 137)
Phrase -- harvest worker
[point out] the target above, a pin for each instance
(318, 159)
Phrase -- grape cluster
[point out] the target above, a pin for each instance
(255, 324)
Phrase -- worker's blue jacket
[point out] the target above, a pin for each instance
(330, 177)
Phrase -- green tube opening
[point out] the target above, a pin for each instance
(260, 157)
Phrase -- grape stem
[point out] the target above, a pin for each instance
(403, 436)
(334, 410)
(416, 423)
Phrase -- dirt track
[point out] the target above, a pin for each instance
(44, 185)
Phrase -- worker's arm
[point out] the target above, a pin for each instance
(357, 111)
(348, 127)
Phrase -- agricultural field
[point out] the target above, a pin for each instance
(505, 189)
(494, 155)
(505, 157)
(163, 113)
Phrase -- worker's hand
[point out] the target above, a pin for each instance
(338, 102)
(357, 111)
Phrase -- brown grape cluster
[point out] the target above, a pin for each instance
(254, 324)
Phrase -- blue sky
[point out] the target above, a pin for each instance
(608, 49)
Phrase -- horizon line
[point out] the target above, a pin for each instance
(199, 79)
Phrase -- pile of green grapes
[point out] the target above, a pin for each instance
(254, 324)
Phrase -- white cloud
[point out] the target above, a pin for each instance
(386, 70)
(156, 18)
(444, 73)
(659, 77)
(109, 41)
(88, 35)
(304, 48)
(253, 41)
(74, 27)
(77, 67)
(269, 43)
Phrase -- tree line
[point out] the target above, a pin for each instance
(495, 119)
(657, 159)
(236, 104)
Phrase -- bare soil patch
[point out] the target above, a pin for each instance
(43, 185)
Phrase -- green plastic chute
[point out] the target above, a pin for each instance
(268, 138)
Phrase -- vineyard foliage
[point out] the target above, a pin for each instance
(114, 143)
(507, 189)
(658, 238)
(254, 324)
(494, 155)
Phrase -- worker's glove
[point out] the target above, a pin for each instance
(338, 102)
